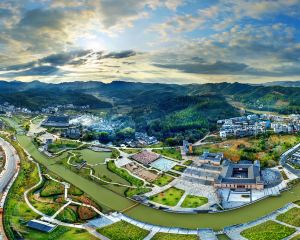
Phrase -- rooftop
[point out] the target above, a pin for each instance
(41, 225)
(246, 173)
(145, 157)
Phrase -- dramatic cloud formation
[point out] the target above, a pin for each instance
(153, 40)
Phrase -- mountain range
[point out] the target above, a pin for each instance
(164, 110)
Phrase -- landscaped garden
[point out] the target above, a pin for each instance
(163, 180)
(169, 197)
(61, 144)
(269, 230)
(192, 201)
(17, 211)
(123, 230)
(179, 168)
(52, 188)
(291, 217)
(170, 236)
(169, 152)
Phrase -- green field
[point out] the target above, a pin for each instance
(269, 230)
(170, 236)
(191, 201)
(60, 145)
(169, 197)
(123, 230)
(93, 157)
(291, 217)
(131, 150)
(163, 180)
(173, 153)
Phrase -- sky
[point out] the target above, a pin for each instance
(165, 41)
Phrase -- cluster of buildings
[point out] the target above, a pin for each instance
(141, 139)
(252, 125)
(58, 108)
(10, 109)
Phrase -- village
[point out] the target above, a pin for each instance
(255, 124)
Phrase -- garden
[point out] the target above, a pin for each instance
(61, 144)
(169, 197)
(163, 180)
(179, 168)
(291, 217)
(170, 236)
(192, 201)
(268, 230)
(123, 230)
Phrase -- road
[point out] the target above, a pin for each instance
(284, 157)
(10, 169)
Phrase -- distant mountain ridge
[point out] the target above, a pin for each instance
(164, 110)
(284, 83)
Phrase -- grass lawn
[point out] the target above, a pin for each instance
(170, 236)
(93, 157)
(193, 201)
(169, 197)
(269, 230)
(163, 180)
(131, 150)
(179, 168)
(52, 188)
(291, 217)
(188, 162)
(169, 152)
(60, 233)
(123, 230)
(297, 237)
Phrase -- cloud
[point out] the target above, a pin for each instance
(122, 54)
(218, 67)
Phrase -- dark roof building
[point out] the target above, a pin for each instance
(41, 225)
(56, 121)
(211, 158)
(240, 176)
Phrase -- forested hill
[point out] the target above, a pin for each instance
(165, 110)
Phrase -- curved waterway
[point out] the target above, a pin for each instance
(111, 200)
